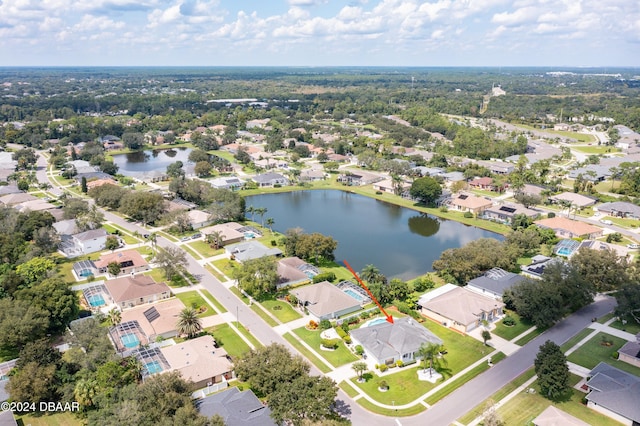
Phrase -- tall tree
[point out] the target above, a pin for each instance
(431, 355)
(257, 276)
(189, 323)
(426, 190)
(552, 370)
(303, 399)
(172, 260)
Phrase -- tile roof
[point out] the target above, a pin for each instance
(462, 305)
(129, 288)
(324, 298)
(120, 257)
(198, 359)
(574, 227)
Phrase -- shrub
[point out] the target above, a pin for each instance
(383, 368)
(325, 276)
(345, 327)
(274, 243)
(615, 355)
(551, 215)
(399, 363)
(383, 384)
(347, 339)
(325, 324)
(413, 361)
(468, 215)
(360, 350)
(364, 315)
(312, 325)
(444, 209)
(341, 332)
(378, 192)
(508, 320)
(330, 343)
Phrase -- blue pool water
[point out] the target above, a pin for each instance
(564, 251)
(153, 367)
(130, 340)
(375, 322)
(96, 300)
(249, 235)
(86, 272)
(354, 294)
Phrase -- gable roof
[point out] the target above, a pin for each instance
(573, 198)
(90, 234)
(620, 207)
(471, 201)
(615, 390)
(16, 198)
(324, 298)
(268, 177)
(129, 288)
(388, 340)
(553, 416)
(66, 227)
(631, 348)
(496, 281)
(462, 305)
(236, 408)
(163, 322)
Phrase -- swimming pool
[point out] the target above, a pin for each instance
(564, 251)
(96, 300)
(249, 235)
(375, 321)
(354, 294)
(130, 340)
(153, 367)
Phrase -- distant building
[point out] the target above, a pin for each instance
(83, 243)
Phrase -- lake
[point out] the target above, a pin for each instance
(141, 163)
(401, 242)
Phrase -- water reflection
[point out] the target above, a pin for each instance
(424, 225)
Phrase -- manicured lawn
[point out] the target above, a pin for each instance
(204, 249)
(156, 274)
(281, 310)
(526, 406)
(215, 273)
(262, 314)
(593, 352)
(168, 236)
(498, 396)
(191, 251)
(111, 229)
(418, 408)
(192, 298)
(404, 386)
(340, 271)
(145, 251)
(306, 353)
(54, 419)
(509, 333)
(462, 351)
(229, 340)
(339, 357)
(242, 297)
(249, 336)
(213, 300)
(226, 266)
(529, 337)
(631, 326)
(460, 381)
(348, 389)
(623, 222)
(575, 339)
(595, 149)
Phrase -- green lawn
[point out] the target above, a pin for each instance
(631, 325)
(593, 352)
(192, 252)
(623, 222)
(348, 389)
(145, 251)
(229, 340)
(215, 273)
(242, 297)
(529, 337)
(404, 386)
(498, 396)
(339, 357)
(213, 300)
(412, 411)
(281, 310)
(226, 266)
(595, 149)
(53, 419)
(307, 353)
(460, 381)
(262, 314)
(156, 274)
(193, 299)
(575, 339)
(246, 333)
(527, 406)
(204, 249)
(509, 333)
(128, 239)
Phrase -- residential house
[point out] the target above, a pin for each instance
(506, 212)
(567, 228)
(620, 209)
(311, 175)
(89, 176)
(461, 308)
(359, 178)
(229, 182)
(494, 282)
(199, 218)
(498, 167)
(17, 198)
(294, 271)
(99, 182)
(82, 166)
(257, 124)
(387, 343)
(35, 206)
(532, 189)
(130, 262)
(251, 250)
(157, 320)
(199, 360)
(453, 177)
(230, 232)
(270, 179)
(428, 171)
(271, 163)
(485, 183)
(614, 393)
(389, 186)
(553, 416)
(338, 158)
(325, 301)
(465, 202)
(630, 352)
(83, 243)
(538, 264)
(573, 199)
(66, 227)
(129, 291)
(9, 189)
(237, 408)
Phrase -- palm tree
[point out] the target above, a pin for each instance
(115, 316)
(431, 354)
(189, 323)
(214, 239)
(270, 221)
(153, 239)
(397, 184)
(85, 392)
(251, 210)
(359, 367)
(261, 211)
(372, 274)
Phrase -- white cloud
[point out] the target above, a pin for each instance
(525, 14)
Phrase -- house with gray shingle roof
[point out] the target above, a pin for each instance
(270, 179)
(494, 282)
(251, 250)
(614, 393)
(236, 408)
(630, 352)
(325, 301)
(620, 209)
(387, 343)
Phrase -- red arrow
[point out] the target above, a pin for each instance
(389, 317)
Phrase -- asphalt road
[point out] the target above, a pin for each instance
(441, 414)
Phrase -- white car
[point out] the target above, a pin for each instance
(606, 222)
(633, 246)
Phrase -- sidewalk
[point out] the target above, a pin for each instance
(612, 331)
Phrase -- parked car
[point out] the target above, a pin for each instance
(185, 238)
(606, 221)
(196, 236)
(633, 246)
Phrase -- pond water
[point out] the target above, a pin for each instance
(140, 163)
(401, 242)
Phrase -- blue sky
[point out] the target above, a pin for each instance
(320, 32)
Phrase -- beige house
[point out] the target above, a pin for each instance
(553, 416)
(325, 301)
(199, 360)
(157, 320)
(128, 292)
(567, 228)
(461, 309)
(228, 231)
(469, 203)
(130, 261)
